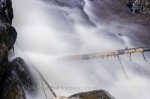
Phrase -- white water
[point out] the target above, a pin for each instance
(46, 31)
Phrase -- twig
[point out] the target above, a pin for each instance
(122, 67)
(144, 57)
(43, 87)
(50, 88)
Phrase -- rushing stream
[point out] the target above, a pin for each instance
(48, 30)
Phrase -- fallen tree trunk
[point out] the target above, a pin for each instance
(107, 53)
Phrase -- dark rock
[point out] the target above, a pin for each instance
(96, 94)
(24, 74)
(15, 76)
(6, 11)
(8, 35)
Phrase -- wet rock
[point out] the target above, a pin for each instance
(141, 9)
(96, 94)
(24, 74)
(8, 35)
(139, 6)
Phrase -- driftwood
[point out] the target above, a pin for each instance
(115, 53)
(108, 54)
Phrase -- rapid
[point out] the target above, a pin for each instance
(48, 30)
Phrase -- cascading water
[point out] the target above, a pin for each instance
(46, 31)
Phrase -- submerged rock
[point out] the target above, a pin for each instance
(69, 3)
(71, 8)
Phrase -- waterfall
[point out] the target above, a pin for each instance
(46, 31)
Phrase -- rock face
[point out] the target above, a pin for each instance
(15, 76)
(96, 94)
(140, 8)
(6, 11)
